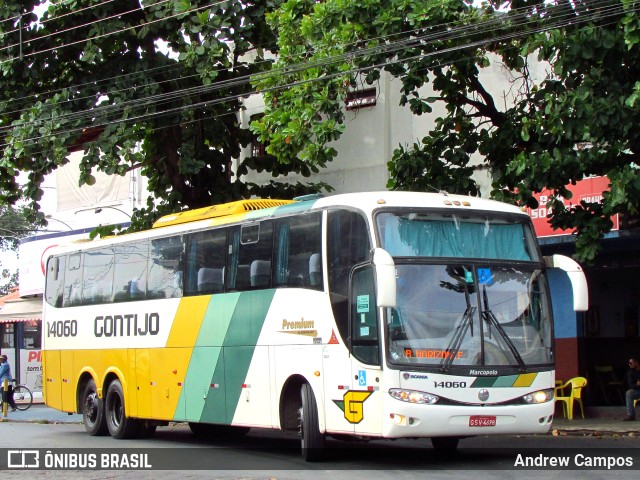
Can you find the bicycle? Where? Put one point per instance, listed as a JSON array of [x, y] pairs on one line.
[[22, 396]]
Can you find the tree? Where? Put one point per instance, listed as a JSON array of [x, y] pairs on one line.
[[580, 120], [152, 84], [13, 227]]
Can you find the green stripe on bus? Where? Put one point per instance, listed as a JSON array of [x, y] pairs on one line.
[[507, 381], [223, 353], [483, 382], [522, 380], [204, 359], [242, 336]]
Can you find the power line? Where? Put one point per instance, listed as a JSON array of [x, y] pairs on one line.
[[149, 101], [218, 2], [239, 82], [324, 78], [48, 35], [523, 11]]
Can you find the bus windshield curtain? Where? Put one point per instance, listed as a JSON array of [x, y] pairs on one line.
[[438, 238], [233, 266], [282, 271]]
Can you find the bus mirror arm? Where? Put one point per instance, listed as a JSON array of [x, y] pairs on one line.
[[385, 269], [576, 277]]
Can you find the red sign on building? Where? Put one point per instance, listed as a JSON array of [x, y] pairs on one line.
[[589, 190]]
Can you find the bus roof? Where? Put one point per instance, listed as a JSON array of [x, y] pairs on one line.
[[247, 210]]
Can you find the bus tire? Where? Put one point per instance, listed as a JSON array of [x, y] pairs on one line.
[[445, 444], [311, 439], [120, 426], [93, 410]]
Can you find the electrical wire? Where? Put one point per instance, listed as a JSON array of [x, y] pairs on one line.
[[228, 98], [142, 25], [244, 80], [523, 11], [76, 27]]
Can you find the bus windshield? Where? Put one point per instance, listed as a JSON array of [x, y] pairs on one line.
[[453, 315], [470, 292]]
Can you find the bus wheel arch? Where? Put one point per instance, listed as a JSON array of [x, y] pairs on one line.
[[91, 406], [290, 402]]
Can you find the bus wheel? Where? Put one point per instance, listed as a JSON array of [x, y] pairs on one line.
[[93, 410], [311, 440], [445, 444], [119, 425]]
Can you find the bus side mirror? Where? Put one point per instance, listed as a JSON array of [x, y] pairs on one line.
[[385, 270], [576, 277]]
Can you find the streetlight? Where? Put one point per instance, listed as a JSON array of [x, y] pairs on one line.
[[49, 217], [99, 209]]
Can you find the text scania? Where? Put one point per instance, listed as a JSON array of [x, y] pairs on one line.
[[128, 325]]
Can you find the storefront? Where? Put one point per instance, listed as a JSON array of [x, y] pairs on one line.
[[20, 336], [596, 344]]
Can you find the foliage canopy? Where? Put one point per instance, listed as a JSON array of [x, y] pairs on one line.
[[580, 120], [151, 84]]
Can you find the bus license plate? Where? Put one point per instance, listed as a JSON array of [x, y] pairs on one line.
[[482, 421]]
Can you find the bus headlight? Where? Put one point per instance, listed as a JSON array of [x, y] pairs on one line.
[[413, 396], [541, 396]]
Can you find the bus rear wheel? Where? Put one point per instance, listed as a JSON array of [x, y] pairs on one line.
[[119, 425], [93, 410], [311, 439]]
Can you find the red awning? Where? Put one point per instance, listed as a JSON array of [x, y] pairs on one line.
[[22, 310]]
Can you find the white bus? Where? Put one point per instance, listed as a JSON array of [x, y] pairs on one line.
[[373, 315]]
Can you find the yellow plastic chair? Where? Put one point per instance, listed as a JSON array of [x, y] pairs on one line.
[[574, 388]]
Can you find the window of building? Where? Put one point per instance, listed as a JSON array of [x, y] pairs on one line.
[[31, 335], [361, 99], [8, 331]]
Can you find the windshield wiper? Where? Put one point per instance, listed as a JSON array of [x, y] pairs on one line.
[[491, 319], [461, 331]]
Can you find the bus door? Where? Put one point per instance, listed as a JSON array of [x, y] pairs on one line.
[[364, 403]]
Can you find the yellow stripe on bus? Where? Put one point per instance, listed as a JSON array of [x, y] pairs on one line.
[[525, 380]]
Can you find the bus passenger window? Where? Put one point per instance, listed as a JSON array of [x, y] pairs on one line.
[[250, 250], [206, 259], [97, 283], [54, 287], [165, 268], [298, 243], [130, 276], [73, 281]]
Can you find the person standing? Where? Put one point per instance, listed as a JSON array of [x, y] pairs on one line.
[[5, 373], [633, 393]]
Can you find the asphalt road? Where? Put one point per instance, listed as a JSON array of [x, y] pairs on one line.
[[267, 454]]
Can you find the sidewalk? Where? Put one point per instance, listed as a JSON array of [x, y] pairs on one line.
[[598, 421]]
